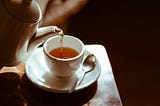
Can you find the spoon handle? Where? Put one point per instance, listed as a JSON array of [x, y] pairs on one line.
[[77, 83], [80, 81], [73, 87]]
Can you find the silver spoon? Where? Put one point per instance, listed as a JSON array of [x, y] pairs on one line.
[[88, 65]]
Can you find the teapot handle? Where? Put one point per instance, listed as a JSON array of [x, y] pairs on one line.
[[43, 34]]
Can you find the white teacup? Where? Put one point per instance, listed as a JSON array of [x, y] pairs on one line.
[[59, 66]]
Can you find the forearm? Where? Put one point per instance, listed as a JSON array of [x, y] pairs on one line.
[[58, 12], [42, 4]]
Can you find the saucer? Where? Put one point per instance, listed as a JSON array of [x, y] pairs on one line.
[[39, 74]]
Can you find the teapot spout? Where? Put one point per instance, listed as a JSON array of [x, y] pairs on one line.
[[43, 31], [43, 34]]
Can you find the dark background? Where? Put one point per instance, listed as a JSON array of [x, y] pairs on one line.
[[130, 31]]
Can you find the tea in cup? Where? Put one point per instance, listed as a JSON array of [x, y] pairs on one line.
[[63, 56]]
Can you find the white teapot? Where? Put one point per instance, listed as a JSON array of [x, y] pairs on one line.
[[19, 32]]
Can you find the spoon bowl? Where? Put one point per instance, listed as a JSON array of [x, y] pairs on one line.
[[88, 65]]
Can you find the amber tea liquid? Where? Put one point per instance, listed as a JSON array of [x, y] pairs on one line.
[[64, 52]]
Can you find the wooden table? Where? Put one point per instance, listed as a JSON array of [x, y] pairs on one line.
[[19, 91]]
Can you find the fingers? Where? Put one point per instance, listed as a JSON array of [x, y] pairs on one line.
[[59, 12]]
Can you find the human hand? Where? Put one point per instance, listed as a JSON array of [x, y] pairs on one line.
[[57, 12]]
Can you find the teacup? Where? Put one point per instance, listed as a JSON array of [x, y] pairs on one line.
[[59, 65]]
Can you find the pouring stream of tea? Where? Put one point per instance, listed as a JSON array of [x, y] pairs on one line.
[[88, 65], [61, 41]]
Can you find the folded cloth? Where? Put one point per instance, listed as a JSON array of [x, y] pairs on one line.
[[19, 69]]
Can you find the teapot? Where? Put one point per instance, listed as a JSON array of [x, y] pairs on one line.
[[20, 32]]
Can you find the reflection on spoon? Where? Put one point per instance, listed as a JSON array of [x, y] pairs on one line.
[[88, 65]]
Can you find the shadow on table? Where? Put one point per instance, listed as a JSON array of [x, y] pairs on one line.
[[10, 94], [37, 97], [19, 92]]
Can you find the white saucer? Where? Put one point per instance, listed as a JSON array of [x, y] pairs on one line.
[[39, 74]]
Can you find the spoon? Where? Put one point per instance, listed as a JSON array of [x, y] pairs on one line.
[[88, 65]]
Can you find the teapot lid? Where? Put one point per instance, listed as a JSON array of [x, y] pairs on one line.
[[24, 10]]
